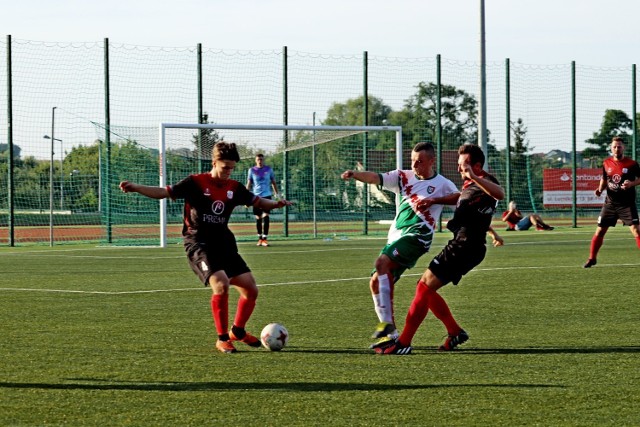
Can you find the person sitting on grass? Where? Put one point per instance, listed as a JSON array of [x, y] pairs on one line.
[[516, 221]]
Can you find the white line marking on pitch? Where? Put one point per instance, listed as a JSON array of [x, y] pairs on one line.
[[305, 282]]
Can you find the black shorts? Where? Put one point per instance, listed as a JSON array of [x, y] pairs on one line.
[[457, 259], [204, 261], [257, 211], [610, 214]]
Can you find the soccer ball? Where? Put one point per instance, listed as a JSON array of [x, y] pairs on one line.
[[274, 336]]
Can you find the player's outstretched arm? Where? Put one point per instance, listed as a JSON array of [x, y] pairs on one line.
[[146, 190], [268, 204], [362, 176]]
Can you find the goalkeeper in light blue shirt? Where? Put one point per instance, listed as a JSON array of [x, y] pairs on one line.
[[260, 181]]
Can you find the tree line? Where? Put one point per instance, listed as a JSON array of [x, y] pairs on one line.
[[79, 179]]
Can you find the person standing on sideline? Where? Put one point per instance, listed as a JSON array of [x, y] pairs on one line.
[[209, 243], [262, 179], [422, 193], [620, 176], [470, 223]]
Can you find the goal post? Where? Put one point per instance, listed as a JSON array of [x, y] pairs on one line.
[[306, 137]]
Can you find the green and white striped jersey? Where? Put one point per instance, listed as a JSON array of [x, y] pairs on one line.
[[413, 216]]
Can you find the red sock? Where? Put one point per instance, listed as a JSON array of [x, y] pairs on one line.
[[596, 243], [440, 309], [245, 308], [417, 313], [638, 242], [220, 310]]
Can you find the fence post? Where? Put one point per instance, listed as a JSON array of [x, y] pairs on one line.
[[507, 166], [107, 140], [439, 123], [285, 139], [574, 207], [201, 161], [365, 121], [634, 119], [10, 183]]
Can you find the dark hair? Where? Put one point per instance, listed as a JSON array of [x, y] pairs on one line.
[[225, 151], [475, 153], [260, 155], [618, 139], [425, 146]]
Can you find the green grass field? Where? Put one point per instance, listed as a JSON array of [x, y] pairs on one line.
[[124, 336]]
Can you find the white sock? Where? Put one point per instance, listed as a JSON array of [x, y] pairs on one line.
[[385, 304], [376, 306]]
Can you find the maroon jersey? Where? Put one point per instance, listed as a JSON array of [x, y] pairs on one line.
[[474, 211], [615, 172], [208, 206]]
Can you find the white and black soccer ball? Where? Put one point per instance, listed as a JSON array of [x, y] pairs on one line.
[[274, 336]]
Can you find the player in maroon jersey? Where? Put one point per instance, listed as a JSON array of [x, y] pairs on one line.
[[210, 245], [470, 224], [620, 175]]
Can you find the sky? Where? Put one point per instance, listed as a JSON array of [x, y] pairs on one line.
[[590, 32]]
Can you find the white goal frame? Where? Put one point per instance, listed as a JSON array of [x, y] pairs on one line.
[[162, 149]]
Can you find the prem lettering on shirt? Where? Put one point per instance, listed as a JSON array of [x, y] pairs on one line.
[[213, 219]]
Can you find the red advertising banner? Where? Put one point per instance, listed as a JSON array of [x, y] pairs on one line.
[[557, 187]]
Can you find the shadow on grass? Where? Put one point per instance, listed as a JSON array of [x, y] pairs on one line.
[[553, 350], [99, 384], [418, 350]]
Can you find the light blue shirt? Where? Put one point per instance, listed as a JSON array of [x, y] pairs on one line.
[[260, 179]]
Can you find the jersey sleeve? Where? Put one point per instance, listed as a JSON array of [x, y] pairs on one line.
[[390, 181], [450, 188], [244, 196], [249, 176], [182, 189]]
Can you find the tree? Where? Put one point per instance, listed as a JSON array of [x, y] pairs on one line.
[[351, 113], [4, 151], [203, 141], [614, 123], [459, 116]]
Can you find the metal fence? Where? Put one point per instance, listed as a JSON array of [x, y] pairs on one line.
[[94, 87]]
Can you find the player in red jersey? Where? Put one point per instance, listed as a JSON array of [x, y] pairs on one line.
[[620, 175], [210, 245], [470, 224]]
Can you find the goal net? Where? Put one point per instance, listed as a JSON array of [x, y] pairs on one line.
[[307, 161]]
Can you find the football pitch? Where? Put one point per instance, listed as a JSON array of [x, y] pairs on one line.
[[124, 336]]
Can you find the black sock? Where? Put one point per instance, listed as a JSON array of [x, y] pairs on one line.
[[223, 337], [266, 225], [238, 332], [259, 226]]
